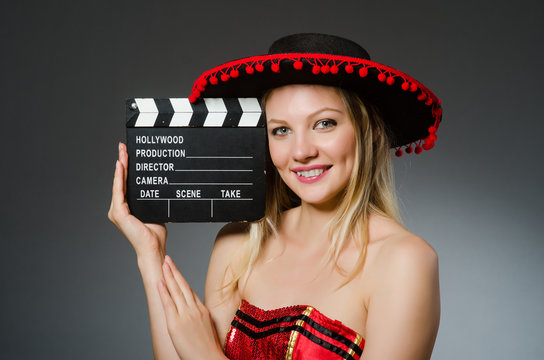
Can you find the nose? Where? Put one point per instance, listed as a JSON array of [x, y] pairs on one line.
[[304, 147]]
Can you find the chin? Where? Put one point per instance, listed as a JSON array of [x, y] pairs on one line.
[[319, 198]]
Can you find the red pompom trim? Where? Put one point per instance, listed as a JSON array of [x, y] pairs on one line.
[[428, 145], [327, 64], [398, 153]]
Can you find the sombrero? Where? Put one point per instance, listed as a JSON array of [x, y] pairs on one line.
[[410, 110]]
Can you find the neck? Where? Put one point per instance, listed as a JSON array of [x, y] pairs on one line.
[[308, 225]]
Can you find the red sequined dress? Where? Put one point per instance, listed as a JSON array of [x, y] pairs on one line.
[[293, 332]]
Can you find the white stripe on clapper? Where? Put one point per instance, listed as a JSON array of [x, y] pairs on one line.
[[251, 112], [148, 112], [217, 111], [182, 112]]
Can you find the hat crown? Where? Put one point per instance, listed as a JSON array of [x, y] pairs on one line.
[[313, 43]]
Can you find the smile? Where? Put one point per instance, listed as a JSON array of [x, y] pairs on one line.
[[309, 175]]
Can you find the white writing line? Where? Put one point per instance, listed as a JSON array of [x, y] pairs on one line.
[[190, 199], [219, 157], [211, 184], [214, 170]]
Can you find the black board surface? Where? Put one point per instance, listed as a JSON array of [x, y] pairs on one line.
[[209, 167]]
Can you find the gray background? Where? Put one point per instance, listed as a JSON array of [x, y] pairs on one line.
[[70, 287]]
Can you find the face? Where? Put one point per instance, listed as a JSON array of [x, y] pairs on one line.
[[311, 141]]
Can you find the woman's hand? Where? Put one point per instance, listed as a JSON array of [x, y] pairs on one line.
[[147, 239], [189, 322]]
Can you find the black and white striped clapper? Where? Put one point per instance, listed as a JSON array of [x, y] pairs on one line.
[[196, 162]]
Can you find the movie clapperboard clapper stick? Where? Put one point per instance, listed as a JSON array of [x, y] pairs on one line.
[[196, 162]]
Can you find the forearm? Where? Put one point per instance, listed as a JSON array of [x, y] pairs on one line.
[[150, 269]]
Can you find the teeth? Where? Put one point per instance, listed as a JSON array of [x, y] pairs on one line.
[[310, 173]]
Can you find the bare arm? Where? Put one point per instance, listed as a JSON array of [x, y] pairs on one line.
[[404, 309], [194, 327], [149, 241], [189, 322], [222, 305]]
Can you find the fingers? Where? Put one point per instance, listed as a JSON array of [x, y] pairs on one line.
[[178, 285], [119, 183], [116, 194], [176, 291], [123, 158], [167, 302], [183, 284]]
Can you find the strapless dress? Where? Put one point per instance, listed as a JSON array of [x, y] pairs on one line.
[[292, 332]]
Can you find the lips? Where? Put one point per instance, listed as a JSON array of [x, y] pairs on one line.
[[310, 174]]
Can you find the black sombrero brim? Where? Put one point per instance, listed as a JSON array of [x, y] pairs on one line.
[[411, 111]]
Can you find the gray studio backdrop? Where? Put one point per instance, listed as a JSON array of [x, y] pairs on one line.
[[70, 287]]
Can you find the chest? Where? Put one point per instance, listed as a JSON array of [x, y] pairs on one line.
[[295, 278], [294, 332]]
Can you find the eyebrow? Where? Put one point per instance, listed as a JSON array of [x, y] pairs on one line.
[[318, 111]]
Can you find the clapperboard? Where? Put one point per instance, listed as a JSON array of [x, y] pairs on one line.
[[196, 162]]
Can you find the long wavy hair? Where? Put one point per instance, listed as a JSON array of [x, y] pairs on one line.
[[370, 190]]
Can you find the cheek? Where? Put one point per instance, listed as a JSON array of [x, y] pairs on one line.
[[278, 154], [345, 149]]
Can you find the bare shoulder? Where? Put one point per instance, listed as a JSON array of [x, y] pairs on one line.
[[405, 297], [230, 237], [400, 250], [400, 261], [409, 249]]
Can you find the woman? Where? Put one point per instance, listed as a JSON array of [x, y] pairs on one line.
[[329, 239]]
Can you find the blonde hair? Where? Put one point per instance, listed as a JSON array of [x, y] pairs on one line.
[[370, 190]]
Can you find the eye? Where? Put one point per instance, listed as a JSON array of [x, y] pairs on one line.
[[325, 124], [280, 131]]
